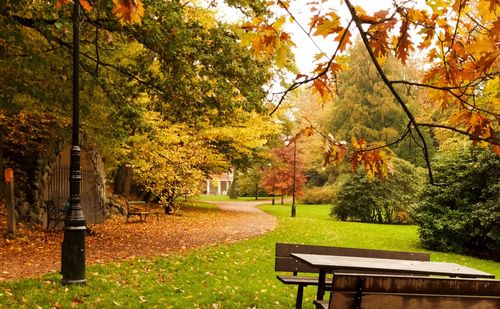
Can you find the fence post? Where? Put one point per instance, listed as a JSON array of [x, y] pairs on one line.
[[10, 201]]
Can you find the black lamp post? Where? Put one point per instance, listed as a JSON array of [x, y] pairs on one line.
[[73, 245], [294, 208]]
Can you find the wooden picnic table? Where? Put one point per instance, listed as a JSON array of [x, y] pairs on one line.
[[333, 263]]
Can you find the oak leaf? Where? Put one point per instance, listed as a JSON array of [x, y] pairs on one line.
[[129, 11]]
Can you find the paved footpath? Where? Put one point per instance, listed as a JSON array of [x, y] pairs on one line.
[[116, 240], [252, 221], [246, 206]]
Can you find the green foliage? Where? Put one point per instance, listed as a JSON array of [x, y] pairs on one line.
[[365, 107], [181, 62], [249, 183], [237, 275], [379, 200], [316, 178], [463, 214], [320, 195]]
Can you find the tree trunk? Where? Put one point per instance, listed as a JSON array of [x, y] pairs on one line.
[[3, 187], [233, 191], [256, 191], [282, 198], [123, 180], [273, 194]]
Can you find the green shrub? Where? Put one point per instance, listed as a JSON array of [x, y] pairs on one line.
[[319, 195], [247, 185], [374, 200], [464, 214]]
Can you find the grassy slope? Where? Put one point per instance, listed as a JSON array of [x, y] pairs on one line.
[[231, 276]]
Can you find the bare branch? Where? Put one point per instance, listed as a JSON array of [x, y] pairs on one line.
[[491, 140], [295, 85], [450, 91], [300, 26]]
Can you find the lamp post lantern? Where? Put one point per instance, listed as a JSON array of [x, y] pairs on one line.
[[73, 245]]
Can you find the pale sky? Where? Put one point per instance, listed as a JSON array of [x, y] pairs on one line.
[[305, 49]]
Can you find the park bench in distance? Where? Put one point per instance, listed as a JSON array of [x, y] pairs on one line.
[[286, 263], [405, 292], [140, 209]]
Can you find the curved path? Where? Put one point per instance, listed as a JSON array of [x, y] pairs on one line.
[[38, 252]]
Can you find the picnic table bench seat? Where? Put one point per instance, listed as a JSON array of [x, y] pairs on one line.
[[410, 292], [284, 262]]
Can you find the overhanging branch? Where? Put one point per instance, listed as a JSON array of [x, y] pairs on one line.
[[394, 92]]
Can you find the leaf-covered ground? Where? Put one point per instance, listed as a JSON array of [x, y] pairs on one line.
[[36, 251]]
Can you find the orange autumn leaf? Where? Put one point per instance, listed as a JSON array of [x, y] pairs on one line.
[[496, 149], [346, 41], [476, 124], [83, 3], [60, 3], [129, 11], [320, 85], [375, 162], [404, 46]]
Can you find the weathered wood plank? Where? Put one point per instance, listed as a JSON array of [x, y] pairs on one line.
[[421, 285], [379, 291], [333, 263], [284, 250], [402, 301]]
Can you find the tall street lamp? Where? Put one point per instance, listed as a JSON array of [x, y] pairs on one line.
[[294, 208], [73, 245], [294, 170]]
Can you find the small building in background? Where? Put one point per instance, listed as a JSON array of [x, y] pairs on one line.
[[218, 184]]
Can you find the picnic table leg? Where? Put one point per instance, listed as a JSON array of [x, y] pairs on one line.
[[300, 293], [321, 284]]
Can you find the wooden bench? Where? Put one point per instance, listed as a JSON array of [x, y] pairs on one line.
[[405, 292], [286, 263], [139, 208]]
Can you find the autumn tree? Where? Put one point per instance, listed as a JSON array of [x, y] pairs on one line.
[[459, 40], [278, 178], [169, 161], [171, 58]]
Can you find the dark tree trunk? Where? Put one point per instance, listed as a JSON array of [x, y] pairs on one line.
[[256, 191], [282, 198], [2, 180], [273, 194], [123, 180]]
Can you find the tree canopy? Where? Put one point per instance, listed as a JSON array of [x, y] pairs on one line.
[[458, 40], [144, 65]]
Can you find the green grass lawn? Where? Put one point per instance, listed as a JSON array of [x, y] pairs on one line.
[[230, 276]]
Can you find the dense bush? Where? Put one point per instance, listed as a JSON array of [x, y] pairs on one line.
[[316, 178], [319, 195], [374, 200], [248, 183], [464, 214]]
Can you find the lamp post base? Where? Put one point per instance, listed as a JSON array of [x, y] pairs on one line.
[[73, 255]]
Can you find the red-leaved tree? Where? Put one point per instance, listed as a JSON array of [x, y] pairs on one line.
[[278, 178]]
